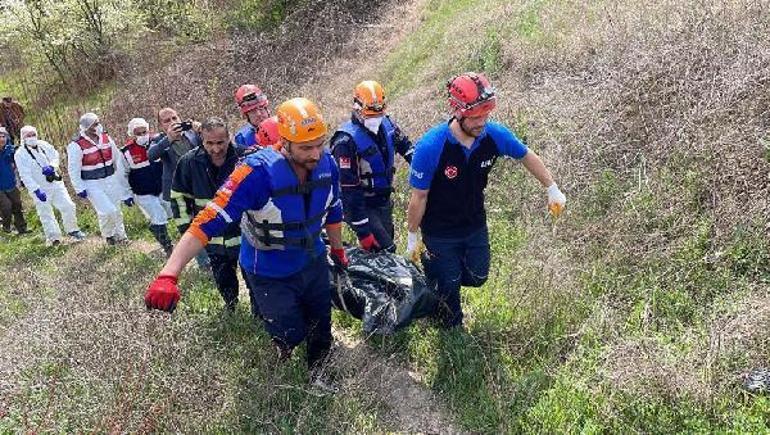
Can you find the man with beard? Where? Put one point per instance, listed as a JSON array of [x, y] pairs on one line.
[[449, 173], [283, 200]]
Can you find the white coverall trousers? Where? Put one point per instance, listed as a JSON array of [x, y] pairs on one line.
[[105, 195], [153, 208], [57, 196]]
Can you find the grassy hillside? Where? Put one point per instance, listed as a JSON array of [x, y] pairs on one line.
[[639, 311]]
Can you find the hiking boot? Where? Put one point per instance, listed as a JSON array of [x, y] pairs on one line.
[[23, 231], [77, 235], [110, 240], [758, 381]]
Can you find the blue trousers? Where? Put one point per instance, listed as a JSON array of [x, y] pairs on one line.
[[454, 262], [296, 308]]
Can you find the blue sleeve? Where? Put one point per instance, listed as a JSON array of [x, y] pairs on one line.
[[334, 215], [427, 153], [507, 142], [158, 147], [247, 188], [402, 144]]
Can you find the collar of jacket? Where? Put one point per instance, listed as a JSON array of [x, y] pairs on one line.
[[201, 156]]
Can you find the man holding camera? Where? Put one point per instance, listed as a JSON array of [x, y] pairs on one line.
[[96, 173], [176, 138], [38, 165]]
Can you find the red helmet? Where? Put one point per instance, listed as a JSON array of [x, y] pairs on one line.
[[250, 97], [470, 94], [267, 134]]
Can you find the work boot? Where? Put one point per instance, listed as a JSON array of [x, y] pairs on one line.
[[110, 240], [160, 232], [77, 235]]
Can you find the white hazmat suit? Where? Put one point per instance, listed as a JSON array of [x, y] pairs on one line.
[[31, 157], [102, 177]]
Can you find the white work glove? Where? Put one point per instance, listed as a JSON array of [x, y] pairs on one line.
[[413, 246], [557, 202]]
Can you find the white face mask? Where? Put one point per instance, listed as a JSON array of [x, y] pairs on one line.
[[30, 141], [143, 139], [373, 124], [99, 129]]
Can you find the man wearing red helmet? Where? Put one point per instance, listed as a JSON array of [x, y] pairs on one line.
[[449, 173], [253, 104]]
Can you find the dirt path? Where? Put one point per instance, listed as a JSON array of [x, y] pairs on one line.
[[412, 408]]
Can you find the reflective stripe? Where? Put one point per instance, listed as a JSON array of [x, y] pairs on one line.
[[361, 222], [177, 194], [228, 243], [221, 212], [201, 202], [96, 166]]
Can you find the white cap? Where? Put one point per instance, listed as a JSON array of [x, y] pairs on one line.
[[136, 123], [28, 129], [87, 120]]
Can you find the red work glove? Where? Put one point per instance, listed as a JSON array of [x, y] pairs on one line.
[[339, 258], [162, 294], [369, 243]]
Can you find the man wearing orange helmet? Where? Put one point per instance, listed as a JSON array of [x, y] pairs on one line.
[[282, 199], [253, 104], [365, 149], [448, 176]]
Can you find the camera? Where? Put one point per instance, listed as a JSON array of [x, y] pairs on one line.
[[53, 177], [186, 125]]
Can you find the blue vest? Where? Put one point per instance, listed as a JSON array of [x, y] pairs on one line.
[[375, 170], [286, 231], [245, 138]]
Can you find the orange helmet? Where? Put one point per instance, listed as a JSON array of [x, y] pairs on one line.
[[471, 94], [250, 97], [299, 120], [267, 134], [369, 98]]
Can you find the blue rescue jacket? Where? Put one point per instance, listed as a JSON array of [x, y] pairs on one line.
[[377, 174], [279, 217], [246, 137]]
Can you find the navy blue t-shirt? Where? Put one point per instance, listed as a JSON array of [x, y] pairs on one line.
[[456, 176]]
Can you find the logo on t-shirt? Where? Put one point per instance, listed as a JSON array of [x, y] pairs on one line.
[[344, 162], [450, 171]]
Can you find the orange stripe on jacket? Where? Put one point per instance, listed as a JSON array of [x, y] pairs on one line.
[[198, 234]]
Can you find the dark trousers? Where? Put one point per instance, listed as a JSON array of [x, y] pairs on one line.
[[381, 225], [10, 208], [297, 307], [225, 271], [454, 262]]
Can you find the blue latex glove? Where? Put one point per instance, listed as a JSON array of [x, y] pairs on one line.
[[129, 202], [83, 194], [40, 195], [48, 171]]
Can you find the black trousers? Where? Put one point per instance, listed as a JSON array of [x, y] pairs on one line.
[[10, 209], [225, 271]]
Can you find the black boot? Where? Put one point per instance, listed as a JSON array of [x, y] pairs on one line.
[[161, 235]]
